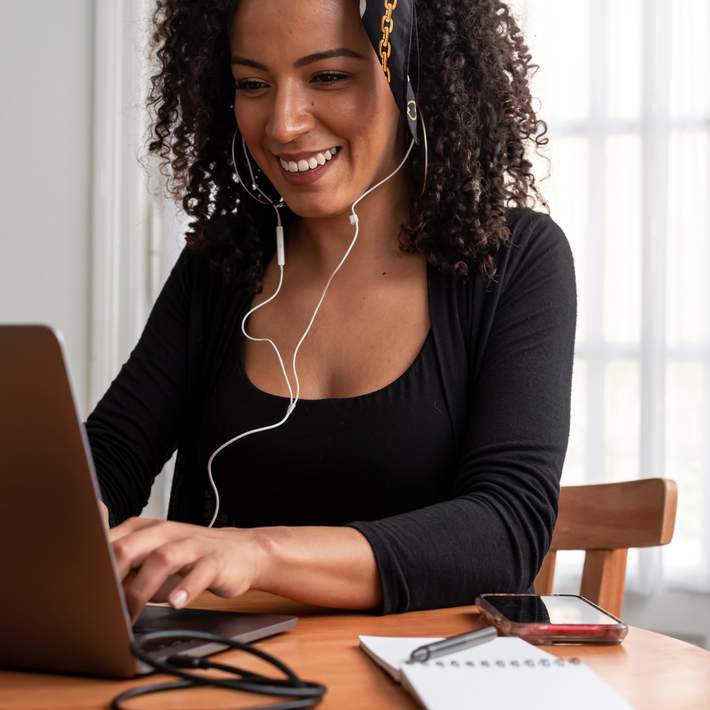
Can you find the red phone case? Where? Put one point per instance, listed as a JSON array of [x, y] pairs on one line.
[[542, 633]]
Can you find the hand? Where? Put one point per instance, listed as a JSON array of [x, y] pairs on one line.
[[162, 561]]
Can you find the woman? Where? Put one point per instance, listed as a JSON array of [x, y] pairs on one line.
[[421, 463]]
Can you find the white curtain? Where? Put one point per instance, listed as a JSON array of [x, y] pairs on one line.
[[137, 233], [625, 89]]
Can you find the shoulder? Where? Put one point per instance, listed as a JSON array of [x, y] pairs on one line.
[[532, 231], [537, 257], [191, 265], [538, 249], [195, 275]]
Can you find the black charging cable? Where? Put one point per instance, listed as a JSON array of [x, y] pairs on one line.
[[304, 693]]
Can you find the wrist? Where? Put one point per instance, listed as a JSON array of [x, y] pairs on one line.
[[262, 559], [267, 550]]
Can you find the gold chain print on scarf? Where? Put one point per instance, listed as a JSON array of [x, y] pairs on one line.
[[387, 26]]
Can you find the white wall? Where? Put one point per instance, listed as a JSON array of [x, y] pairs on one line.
[[45, 170]]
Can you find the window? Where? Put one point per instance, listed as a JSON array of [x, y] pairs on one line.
[[625, 90]]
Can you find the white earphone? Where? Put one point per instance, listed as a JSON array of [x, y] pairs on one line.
[[281, 260]]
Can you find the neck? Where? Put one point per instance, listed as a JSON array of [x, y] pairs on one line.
[[317, 245]]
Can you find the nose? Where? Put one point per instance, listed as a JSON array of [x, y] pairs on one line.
[[291, 115]]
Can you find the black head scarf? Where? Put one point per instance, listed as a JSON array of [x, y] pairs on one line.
[[392, 28]]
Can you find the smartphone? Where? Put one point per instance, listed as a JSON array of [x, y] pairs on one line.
[[551, 618]]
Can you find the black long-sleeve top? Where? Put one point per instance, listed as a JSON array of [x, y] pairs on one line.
[[451, 472]]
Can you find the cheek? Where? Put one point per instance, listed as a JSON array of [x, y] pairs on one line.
[[354, 108], [249, 122], [360, 119]]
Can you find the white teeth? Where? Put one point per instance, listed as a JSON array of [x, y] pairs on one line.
[[313, 162]]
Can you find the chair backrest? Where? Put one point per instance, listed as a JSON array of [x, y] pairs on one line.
[[606, 520]]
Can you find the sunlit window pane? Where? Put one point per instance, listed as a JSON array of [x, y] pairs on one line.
[[688, 298], [689, 74], [560, 46], [622, 420], [622, 240], [687, 428], [624, 80]]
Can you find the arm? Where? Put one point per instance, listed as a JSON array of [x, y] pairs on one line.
[[161, 560], [493, 532], [323, 566], [133, 429]]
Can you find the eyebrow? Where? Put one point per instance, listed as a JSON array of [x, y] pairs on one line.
[[308, 59]]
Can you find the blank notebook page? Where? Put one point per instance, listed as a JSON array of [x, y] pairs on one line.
[[506, 674], [509, 687]]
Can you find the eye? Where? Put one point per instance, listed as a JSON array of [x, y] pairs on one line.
[[329, 77], [248, 85]]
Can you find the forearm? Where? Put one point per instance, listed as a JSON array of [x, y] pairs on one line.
[[323, 566]]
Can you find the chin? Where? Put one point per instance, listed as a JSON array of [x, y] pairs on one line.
[[315, 209]]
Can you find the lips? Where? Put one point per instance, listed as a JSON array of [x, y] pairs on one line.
[[303, 162], [310, 175]]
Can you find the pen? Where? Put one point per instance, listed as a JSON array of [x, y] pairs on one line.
[[453, 644]]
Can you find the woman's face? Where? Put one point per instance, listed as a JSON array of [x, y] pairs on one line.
[[293, 105]]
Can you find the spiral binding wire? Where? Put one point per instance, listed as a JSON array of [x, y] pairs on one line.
[[526, 663]]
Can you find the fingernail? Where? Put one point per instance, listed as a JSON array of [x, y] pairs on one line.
[[178, 599]]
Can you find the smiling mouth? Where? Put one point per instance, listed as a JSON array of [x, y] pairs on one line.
[[313, 162]]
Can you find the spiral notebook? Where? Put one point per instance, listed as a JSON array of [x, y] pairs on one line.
[[506, 673]]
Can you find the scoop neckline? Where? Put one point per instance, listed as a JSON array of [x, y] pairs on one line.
[[365, 395]]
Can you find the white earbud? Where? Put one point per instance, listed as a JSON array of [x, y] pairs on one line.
[[354, 220]]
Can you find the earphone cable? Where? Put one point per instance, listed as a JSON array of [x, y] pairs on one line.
[[354, 220]]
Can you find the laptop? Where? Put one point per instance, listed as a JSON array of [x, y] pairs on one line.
[[61, 602]]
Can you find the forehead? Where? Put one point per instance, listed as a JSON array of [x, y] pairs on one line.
[[293, 28]]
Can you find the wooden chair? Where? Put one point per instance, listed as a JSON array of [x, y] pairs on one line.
[[606, 520]]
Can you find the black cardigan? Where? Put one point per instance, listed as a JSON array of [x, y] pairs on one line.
[[505, 357]]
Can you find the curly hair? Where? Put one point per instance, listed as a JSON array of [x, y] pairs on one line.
[[473, 92]]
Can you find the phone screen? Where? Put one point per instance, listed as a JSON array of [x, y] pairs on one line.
[[549, 610]]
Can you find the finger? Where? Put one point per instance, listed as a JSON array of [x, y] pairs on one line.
[[169, 584], [103, 508], [130, 525], [131, 550], [200, 578], [160, 564]]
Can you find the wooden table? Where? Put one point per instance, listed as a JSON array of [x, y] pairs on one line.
[[648, 669]]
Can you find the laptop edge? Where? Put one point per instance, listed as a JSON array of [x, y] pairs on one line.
[[68, 610]]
